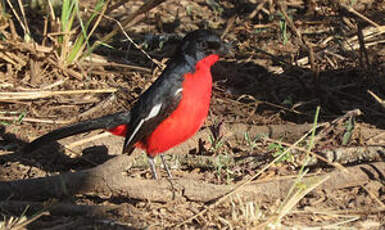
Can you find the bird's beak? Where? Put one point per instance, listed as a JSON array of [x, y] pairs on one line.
[[225, 49]]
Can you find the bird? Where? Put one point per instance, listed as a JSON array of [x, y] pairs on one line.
[[170, 111]]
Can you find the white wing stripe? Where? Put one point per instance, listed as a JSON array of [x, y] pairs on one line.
[[135, 131], [154, 111], [178, 91]]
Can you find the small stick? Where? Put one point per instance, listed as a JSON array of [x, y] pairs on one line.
[[361, 42], [291, 25], [44, 94], [36, 120], [229, 25], [100, 62], [101, 105], [15, 102], [377, 98], [353, 11], [85, 140]]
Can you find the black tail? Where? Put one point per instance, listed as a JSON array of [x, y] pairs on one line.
[[106, 122]]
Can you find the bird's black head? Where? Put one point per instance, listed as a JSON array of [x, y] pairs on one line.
[[200, 44]]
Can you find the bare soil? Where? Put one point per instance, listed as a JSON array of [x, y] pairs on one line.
[[264, 100]]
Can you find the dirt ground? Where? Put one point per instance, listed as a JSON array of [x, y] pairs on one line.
[[288, 58]]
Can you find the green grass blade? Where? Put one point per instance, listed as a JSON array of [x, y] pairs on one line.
[[82, 39]]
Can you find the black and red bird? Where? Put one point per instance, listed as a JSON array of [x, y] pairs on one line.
[[170, 111]]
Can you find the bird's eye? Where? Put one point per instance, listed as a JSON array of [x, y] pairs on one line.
[[203, 45], [213, 45]]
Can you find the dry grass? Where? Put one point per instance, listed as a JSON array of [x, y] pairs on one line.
[[288, 59]]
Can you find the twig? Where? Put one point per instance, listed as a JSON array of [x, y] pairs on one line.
[[17, 17], [342, 212], [24, 17], [291, 24], [257, 9], [377, 98], [16, 102], [364, 52], [43, 94], [353, 11], [229, 25], [101, 62], [36, 120], [101, 105], [50, 86], [86, 140]]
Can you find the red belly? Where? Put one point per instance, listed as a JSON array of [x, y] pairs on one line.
[[186, 120]]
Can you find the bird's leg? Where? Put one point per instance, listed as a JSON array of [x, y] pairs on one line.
[[166, 166], [152, 167]]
